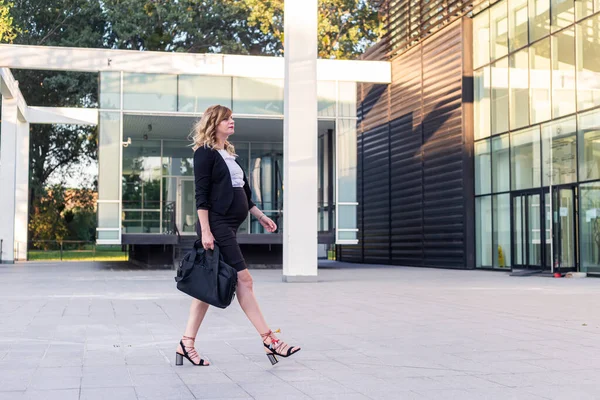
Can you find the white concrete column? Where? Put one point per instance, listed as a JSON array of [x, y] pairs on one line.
[[300, 142], [22, 190], [8, 178]]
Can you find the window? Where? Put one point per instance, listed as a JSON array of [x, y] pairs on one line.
[[258, 96], [149, 92], [483, 176], [483, 231], [481, 39], [347, 99], [540, 82], [517, 10], [110, 90], [499, 30], [539, 19], [326, 98], [559, 149], [562, 13], [583, 8], [589, 145], [519, 89], [589, 220], [525, 158], [197, 93], [563, 73], [588, 63], [500, 164], [482, 83], [501, 235], [500, 96]]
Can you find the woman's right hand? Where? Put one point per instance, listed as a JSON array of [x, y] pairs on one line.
[[208, 240]]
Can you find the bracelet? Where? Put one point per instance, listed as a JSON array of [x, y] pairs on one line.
[[261, 217]]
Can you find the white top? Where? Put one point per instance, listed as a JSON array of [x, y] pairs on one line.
[[237, 175]]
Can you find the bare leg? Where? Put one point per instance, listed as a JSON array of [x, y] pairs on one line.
[[248, 302], [198, 310]]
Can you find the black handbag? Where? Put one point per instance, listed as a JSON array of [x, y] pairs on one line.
[[204, 275]]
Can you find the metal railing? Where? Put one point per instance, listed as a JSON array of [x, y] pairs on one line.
[[150, 217], [71, 250]]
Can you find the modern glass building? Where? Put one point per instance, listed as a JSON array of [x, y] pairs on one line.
[[154, 114], [483, 151], [148, 103], [537, 129]]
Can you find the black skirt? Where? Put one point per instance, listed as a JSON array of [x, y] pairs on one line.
[[224, 229]]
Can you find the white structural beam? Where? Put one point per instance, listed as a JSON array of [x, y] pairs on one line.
[[10, 122], [9, 88], [60, 115], [100, 60], [300, 242], [21, 190]]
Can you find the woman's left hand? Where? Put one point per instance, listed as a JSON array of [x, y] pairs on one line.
[[268, 224]]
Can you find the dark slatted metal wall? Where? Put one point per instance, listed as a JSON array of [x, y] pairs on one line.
[[415, 169]]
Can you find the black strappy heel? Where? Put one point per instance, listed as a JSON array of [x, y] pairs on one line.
[[277, 347], [192, 353]]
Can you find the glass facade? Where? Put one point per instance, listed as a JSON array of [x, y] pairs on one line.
[[537, 134], [146, 177]]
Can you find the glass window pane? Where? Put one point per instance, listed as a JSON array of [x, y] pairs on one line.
[[109, 156], [110, 90], [559, 149], [326, 98], [346, 217], [500, 164], [539, 19], [483, 173], [197, 93], [107, 235], [539, 81], [590, 227], [347, 99], [562, 13], [588, 63], [108, 215], [525, 158], [266, 175], [346, 161], [482, 107], [499, 30], [563, 73], [501, 235], [589, 146], [483, 231], [149, 92], [584, 8], [481, 39], [141, 175], [519, 89], [258, 96], [346, 235], [178, 158], [500, 96], [517, 10]]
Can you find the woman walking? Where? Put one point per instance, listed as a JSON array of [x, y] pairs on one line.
[[223, 199]]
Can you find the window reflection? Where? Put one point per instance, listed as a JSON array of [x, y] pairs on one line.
[[563, 73], [588, 63], [525, 158], [499, 30], [539, 75], [500, 96], [589, 146], [559, 146]]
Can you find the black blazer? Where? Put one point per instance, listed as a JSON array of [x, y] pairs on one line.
[[213, 182]]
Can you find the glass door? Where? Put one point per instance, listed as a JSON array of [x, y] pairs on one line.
[[565, 238], [186, 206], [529, 241]]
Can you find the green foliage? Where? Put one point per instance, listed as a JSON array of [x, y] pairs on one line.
[[346, 27], [8, 32]]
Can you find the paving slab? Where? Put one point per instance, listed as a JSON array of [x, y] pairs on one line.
[[91, 331]]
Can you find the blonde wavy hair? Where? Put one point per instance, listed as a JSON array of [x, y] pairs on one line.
[[204, 132]]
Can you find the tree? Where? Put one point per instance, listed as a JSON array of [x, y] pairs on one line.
[[7, 30], [346, 27]]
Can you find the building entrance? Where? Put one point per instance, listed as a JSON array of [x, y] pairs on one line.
[[544, 235]]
